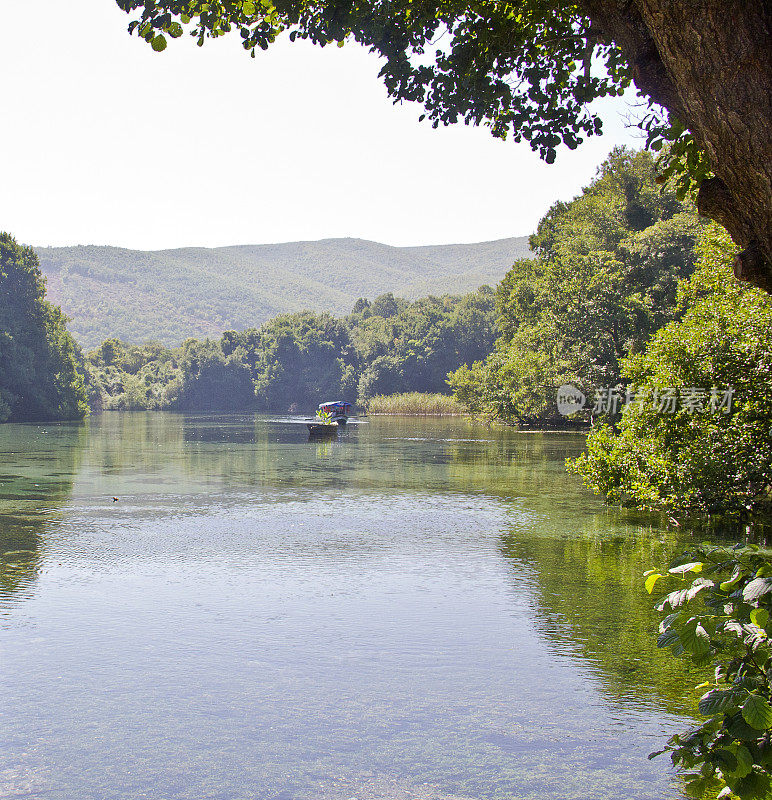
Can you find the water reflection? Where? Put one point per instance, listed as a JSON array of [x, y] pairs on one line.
[[590, 601], [39, 466], [419, 609]]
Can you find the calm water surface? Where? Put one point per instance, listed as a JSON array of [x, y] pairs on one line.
[[420, 609]]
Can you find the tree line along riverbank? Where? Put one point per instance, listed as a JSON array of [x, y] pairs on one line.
[[628, 293]]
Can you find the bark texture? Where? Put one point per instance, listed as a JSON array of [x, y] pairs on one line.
[[709, 62]]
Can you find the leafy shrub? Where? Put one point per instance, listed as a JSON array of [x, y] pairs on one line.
[[696, 461], [724, 614]]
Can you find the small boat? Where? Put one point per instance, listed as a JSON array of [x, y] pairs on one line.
[[319, 429], [338, 410]]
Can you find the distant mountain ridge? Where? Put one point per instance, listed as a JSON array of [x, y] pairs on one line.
[[170, 295]]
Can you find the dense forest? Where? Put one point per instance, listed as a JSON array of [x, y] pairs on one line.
[[711, 451], [41, 368], [603, 280], [630, 298], [290, 363], [384, 346]]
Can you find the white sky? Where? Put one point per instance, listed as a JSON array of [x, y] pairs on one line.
[[105, 142]]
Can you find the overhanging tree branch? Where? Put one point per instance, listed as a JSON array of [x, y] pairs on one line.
[[521, 68]]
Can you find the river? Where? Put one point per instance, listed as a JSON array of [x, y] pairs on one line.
[[422, 609]]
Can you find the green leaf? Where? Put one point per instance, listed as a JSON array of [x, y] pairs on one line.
[[667, 638], [733, 626], [760, 617], [757, 712], [695, 786], [675, 599], [744, 759], [159, 43], [726, 759], [697, 587], [651, 582], [695, 639], [754, 786], [715, 700], [707, 770], [677, 649], [738, 728], [730, 584], [668, 621]]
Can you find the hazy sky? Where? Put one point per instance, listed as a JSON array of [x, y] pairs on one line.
[[105, 142]]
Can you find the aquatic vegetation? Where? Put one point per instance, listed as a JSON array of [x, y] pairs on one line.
[[415, 403]]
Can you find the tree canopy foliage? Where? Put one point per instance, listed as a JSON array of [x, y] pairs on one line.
[[604, 279], [530, 69], [707, 458], [40, 374], [294, 361], [522, 71]]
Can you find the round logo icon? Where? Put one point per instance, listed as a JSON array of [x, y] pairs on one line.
[[570, 399]]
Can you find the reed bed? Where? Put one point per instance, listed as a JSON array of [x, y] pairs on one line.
[[415, 404]]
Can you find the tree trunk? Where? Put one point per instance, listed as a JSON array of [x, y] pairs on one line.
[[709, 62]]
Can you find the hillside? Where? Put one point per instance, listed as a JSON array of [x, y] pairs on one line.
[[170, 295]]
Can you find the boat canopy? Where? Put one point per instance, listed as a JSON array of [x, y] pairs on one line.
[[335, 405]]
